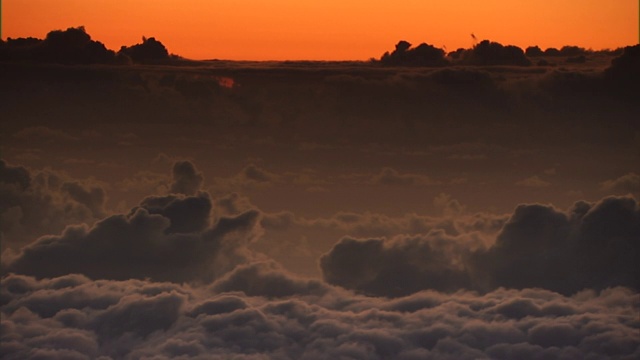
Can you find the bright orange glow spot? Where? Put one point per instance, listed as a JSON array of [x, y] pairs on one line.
[[329, 29]]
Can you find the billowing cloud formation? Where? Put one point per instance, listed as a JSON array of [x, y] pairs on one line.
[[186, 179], [626, 184], [33, 204], [398, 266], [590, 246], [164, 238], [72, 317]]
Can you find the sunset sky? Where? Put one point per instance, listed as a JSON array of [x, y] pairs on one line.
[[327, 30]]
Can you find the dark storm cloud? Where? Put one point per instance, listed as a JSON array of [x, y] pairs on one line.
[[270, 314], [186, 179], [35, 203], [164, 238], [589, 246]]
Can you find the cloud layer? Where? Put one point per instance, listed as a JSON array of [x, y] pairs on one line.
[[36, 203], [165, 238], [592, 245], [261, 312]]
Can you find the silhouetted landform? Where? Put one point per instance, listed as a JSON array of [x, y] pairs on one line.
[[150, 50], [422, 55], [626, 66], [71, 46], [74, 46], [568, 50], [493, 53], [534, 51], [485, 53]]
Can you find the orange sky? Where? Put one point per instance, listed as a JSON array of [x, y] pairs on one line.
[[327, 29]]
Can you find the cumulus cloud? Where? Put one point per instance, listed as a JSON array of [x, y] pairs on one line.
[[589, 246], [625, 184], [261, 312], [398, 266], [36, 203], [186, 179], [447, 206], [166, 238]]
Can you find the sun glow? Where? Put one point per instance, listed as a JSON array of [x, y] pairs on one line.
[[287, 29]]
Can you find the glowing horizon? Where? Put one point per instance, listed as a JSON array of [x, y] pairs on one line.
[[331, 30]]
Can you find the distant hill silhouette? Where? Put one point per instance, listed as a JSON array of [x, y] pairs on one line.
[[150, 50], [492, 53], [74, 46], [422, 55], [624, 71], [484, 53], [71, 46]]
